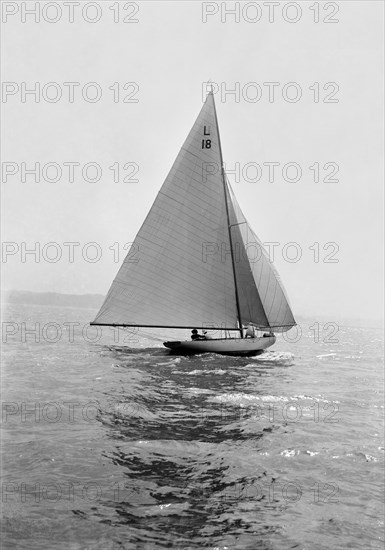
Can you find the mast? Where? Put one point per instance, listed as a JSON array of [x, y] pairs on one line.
[[228, 220]]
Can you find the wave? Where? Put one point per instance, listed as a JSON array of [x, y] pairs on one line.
[[275, 357]]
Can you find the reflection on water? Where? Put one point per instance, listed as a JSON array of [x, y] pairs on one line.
[[179, 451], [113, 446]]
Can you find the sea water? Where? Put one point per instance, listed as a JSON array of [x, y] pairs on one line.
[[110, 442]]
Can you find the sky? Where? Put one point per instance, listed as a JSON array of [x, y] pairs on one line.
[[322, 109]]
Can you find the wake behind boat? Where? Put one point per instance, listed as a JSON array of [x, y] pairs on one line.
[[197, 262]]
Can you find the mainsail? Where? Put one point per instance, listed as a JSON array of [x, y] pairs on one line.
[[186, 273]]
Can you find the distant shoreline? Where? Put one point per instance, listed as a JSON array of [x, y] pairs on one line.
[[94, 301], [25, 297]]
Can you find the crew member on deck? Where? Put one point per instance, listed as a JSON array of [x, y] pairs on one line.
[[250, 332], [196, 336]]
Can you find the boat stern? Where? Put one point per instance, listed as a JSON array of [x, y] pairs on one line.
[[172, 345]]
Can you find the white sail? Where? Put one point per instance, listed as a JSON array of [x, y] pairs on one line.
[[262, 297], [179, 278], [191, 267]]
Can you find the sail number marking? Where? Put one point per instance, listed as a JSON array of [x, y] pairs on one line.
[[206, 143]]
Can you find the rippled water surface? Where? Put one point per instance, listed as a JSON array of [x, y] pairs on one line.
[[116, 444]]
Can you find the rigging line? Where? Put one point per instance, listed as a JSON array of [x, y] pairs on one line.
[[234, 224], [150, 337], [142, 334]]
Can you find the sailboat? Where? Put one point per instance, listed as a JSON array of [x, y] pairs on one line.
[[197, 262]]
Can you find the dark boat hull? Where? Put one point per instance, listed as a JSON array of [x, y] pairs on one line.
[[223, 346]]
